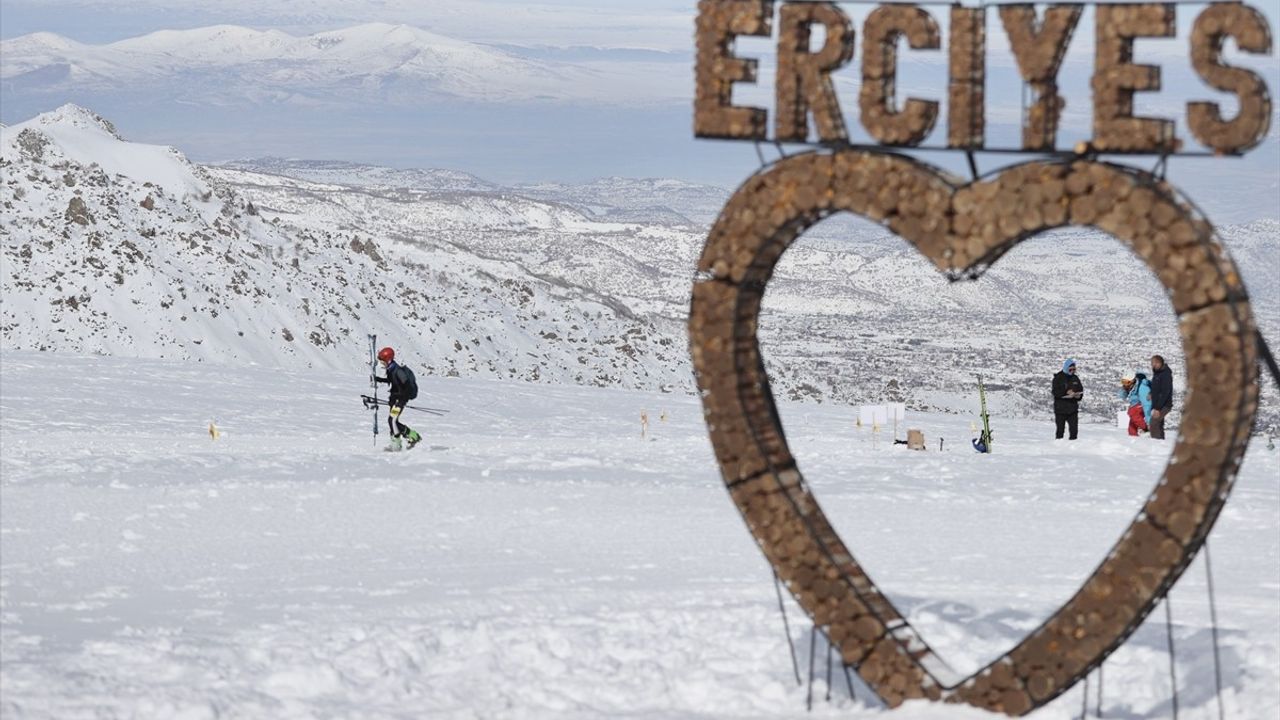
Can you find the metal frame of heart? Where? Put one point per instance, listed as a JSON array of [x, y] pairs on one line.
[[963, 228]]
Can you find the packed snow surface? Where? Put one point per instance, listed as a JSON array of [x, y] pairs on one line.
[[536, 558]]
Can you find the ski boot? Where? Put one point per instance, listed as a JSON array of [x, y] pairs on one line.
[[414, 439], [395, 445]]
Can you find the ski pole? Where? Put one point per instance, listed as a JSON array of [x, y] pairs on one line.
[[373, 401], [373, 382], [437, 411]]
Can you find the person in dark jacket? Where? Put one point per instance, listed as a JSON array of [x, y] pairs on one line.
[[1067, 391], [401, 380], [1161, 395]]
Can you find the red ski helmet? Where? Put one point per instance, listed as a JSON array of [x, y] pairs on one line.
[[386, 354]]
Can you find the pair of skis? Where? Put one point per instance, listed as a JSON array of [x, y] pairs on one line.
[[982, 443], [373, 383]]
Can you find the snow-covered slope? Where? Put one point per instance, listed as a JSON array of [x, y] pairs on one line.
[[535, 559], [564, 283], [114, 247], [652, 199], [398, 64], [853, 314]]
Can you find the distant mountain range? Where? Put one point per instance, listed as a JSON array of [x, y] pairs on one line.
[[128, 249], [404, 95], [385, 93], [396, 64]]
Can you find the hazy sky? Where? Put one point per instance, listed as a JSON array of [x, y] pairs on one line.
[[577, 142], [654, 24]]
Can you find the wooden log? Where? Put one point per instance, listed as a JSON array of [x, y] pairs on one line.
[[1253, 118], [967, 70], [804, 79], [882, 120], [717, 69], [1039, 49], [1116, 78]]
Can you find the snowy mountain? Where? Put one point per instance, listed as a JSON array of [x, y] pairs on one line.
[[290, 262], [397, 64], [119, 248]]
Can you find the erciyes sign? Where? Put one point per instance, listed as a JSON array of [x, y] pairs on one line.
[[963, 227], [1038, 37]]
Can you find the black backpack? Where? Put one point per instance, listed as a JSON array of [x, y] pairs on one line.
[[410, 383]]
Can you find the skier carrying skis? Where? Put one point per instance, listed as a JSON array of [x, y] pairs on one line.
[[1161, 395], [404, 387], [1067, 391], [1135, 389]]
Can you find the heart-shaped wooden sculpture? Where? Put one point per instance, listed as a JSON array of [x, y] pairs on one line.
[[963, 229]]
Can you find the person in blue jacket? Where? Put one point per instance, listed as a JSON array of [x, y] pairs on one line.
[[1135, 389]]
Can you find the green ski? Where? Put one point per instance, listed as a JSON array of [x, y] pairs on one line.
[[982, 443]]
